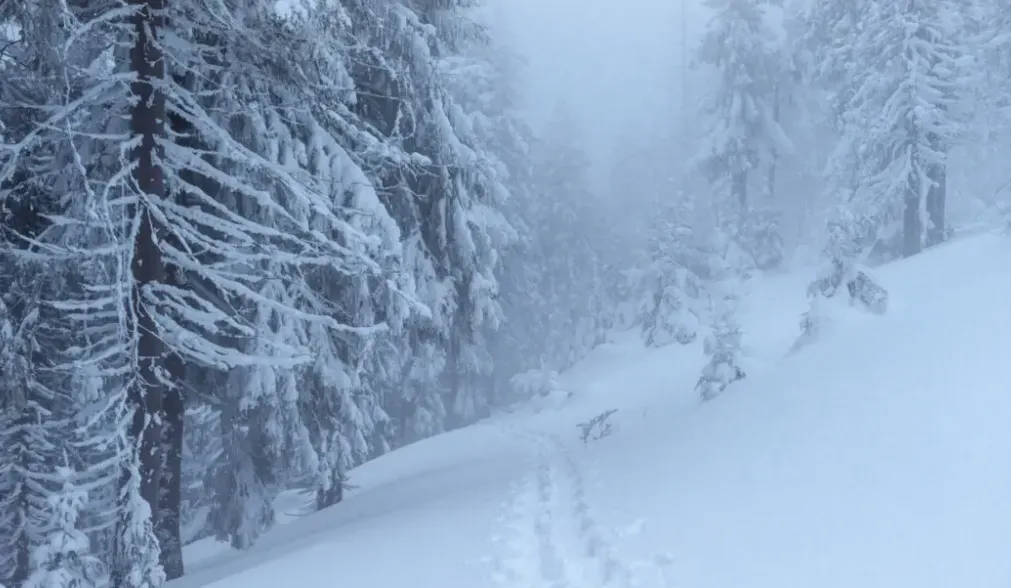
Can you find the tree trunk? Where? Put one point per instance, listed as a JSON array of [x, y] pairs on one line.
[[325, 498], [147, 122], [775, 155], [169, 512], [912, 229], [936, 197], [739, 188]]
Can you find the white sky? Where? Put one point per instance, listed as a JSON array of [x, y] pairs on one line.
[[615, 61]]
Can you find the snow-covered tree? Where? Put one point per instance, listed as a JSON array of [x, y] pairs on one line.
[[986, 26], [849, 241], [135, 561], [488, 80], [288, 230], [201, 451], [64, 559], [899, 111], [182, 215], [19, 440], [745, 132], [675, 298], [445, 192], [827, 49], [490, 143], [723, 346]]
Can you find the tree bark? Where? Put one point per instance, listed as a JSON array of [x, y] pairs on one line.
[[148, 123], [168, 528]]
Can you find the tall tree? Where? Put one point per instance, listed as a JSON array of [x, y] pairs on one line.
[[149, 387], [745, 130], [177, 235], [293, 224], [899, 112]]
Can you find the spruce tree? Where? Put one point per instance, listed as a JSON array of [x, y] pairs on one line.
[[674, 293], [898, 111], [64, 559], [745, 138], [723, 347]]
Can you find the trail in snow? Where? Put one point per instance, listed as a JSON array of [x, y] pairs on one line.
[[549, 536]]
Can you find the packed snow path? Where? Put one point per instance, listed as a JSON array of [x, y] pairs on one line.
[[549, 538]]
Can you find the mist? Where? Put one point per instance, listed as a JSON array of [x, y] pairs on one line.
[[706, 293], [617, 65]]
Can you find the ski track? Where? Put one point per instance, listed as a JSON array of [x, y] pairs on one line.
[[549, 537]]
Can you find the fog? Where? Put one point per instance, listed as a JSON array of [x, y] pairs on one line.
[[616, 64]]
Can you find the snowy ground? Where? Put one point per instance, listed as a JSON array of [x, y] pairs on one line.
[[878, 456]]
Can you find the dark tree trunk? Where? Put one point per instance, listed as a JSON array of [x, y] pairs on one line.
[[148, 123], [332, 495], [168, 526], [169, 511]]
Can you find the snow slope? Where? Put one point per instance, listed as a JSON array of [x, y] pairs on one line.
[[878, 456]]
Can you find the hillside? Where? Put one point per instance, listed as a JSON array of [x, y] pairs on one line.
[[877, 456]]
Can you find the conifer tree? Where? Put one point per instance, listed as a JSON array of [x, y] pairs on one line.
[[64, 559], [723, 347], [674, 293], [745, 138], [899, 112]]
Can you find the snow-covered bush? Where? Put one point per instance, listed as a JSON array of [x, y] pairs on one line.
[[866, 292], [669, 317], [723, 347], [536, 382], [862, 292], [671, 287]]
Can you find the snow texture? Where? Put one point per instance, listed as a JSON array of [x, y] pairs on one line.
[[871, 458]]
